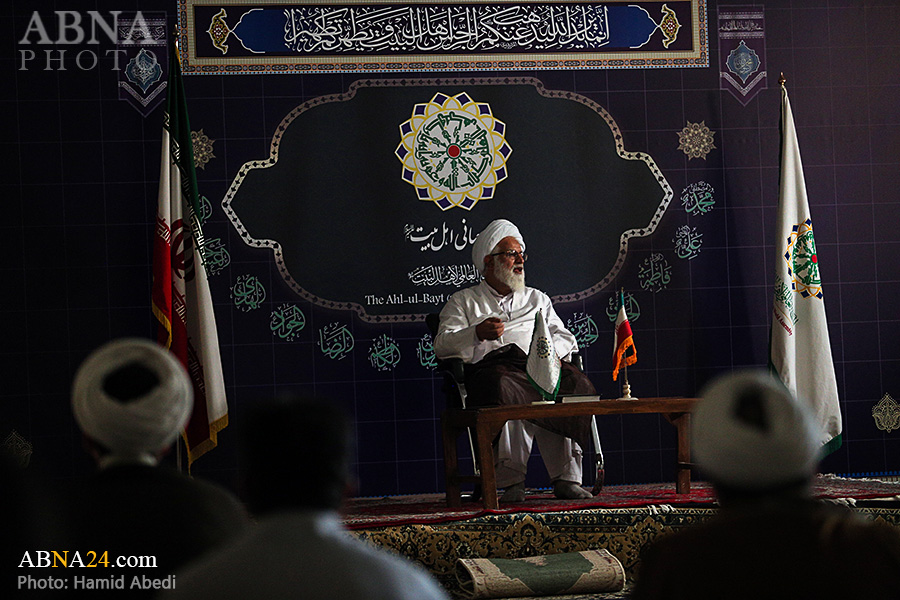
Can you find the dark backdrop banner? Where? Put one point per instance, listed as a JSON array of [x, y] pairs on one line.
[[297, 36], [371, 199]]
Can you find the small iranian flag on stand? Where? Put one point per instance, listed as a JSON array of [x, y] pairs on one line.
[[624, 351]]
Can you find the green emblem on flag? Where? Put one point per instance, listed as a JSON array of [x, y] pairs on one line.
[[543, 347], [803, 263]]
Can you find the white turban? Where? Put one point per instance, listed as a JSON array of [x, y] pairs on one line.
[[488, 239], [138, 426], [748, 450]]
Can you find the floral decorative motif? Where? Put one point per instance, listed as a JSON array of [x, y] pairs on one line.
[[453, 151], [219, 31], [18, 448], [696, 140], [887, 414], [203, 149], [669, 26]]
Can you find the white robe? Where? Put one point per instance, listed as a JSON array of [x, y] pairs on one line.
[[467, 308], [456, 338], [308, 555]]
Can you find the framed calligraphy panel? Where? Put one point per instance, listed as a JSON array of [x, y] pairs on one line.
[[353, 36]]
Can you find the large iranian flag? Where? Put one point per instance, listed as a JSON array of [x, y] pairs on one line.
[[182, 303], [800, 351]]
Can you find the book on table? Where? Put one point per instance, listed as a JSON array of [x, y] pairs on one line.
[[579, 398]]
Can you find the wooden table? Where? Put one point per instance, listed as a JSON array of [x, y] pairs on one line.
[[487, 422]]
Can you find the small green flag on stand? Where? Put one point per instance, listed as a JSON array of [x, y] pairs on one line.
[[543, 366]]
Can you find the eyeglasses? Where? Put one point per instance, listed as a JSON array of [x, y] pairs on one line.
[[512, 255]]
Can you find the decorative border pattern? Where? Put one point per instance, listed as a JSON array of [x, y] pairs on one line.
[[194, 28], [368, 83]]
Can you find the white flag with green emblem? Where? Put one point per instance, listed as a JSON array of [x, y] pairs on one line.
[[543, 366], [800, 351]]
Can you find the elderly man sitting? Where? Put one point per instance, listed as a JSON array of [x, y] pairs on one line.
[[489, 326]]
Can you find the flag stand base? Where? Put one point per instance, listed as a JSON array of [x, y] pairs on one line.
[[626, 392]]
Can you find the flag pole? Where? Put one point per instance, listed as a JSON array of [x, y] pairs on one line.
[[626, 388], [799, 348], [179, 460]]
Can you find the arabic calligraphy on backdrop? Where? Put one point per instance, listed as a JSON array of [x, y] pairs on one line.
[[425, 352], [655, 273], [455, 275], [698, 198], [248, 293], [632, 308], [287, 321], [448, 237], [335, 341], [687, 242], [384, 354], [309, 36], [406, 256], [583, 328]]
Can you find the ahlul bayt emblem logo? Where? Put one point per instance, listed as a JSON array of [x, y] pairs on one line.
[[543, 347], [453, 151], [803, 263]]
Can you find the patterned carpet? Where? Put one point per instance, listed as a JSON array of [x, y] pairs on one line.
[[431, 508], [622, 520]]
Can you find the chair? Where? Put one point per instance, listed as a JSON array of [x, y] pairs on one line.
[[453, 370]]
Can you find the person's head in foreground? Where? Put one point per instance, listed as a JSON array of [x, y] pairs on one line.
[[131, 398], [499, 255], [753, 439], [295, 454]]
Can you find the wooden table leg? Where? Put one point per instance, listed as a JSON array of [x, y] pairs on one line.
[[488, 475], [682, 424]]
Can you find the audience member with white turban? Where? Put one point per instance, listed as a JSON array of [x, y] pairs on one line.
[[771, 539], [132, 398], [489, 326]]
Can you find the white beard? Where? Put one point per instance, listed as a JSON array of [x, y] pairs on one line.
[[515, 281]]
